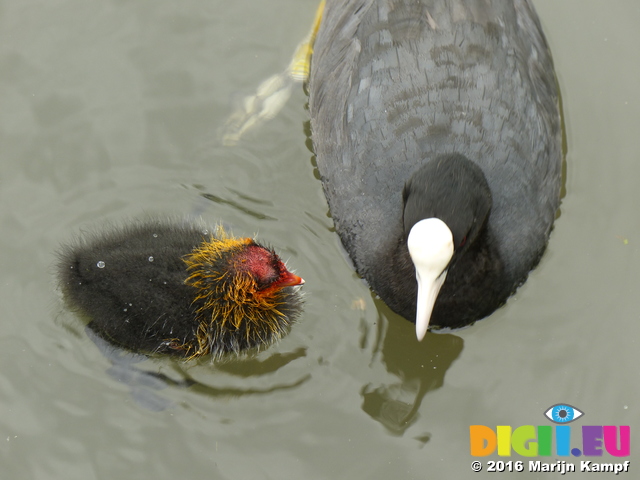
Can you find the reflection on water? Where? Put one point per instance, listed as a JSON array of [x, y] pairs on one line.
[[252, 367], [145, 385], [237, 206], [419, 369]]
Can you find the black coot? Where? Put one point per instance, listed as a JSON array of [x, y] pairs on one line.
[[438, 139], [176, 288]]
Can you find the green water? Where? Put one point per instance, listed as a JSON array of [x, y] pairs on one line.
[[112, 109]]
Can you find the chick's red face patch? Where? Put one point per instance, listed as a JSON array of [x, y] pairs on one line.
[[262, 264]]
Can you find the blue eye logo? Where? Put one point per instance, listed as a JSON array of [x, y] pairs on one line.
[[563, 413]]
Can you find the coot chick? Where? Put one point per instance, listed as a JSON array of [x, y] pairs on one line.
[[178, 289], [437, 134]]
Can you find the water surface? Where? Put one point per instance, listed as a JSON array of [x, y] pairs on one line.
[[112, 110]]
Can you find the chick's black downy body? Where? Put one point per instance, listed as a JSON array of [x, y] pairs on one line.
[[134, 284]]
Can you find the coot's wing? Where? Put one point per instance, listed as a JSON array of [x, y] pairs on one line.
[[394, 84]]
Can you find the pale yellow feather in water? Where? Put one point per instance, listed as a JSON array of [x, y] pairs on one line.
[[272, 94]]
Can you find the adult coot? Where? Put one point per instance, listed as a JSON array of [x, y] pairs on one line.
[[176, 288], [437, 132]]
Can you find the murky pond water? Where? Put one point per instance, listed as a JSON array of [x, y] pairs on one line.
[[112, 110]]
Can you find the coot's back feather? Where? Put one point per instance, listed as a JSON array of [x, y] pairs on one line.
[[396, 84]]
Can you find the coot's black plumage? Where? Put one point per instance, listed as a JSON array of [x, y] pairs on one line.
[[175, 288], [441, 109]]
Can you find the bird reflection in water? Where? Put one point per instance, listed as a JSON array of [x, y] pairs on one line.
[[419, 366], [145, 385]]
